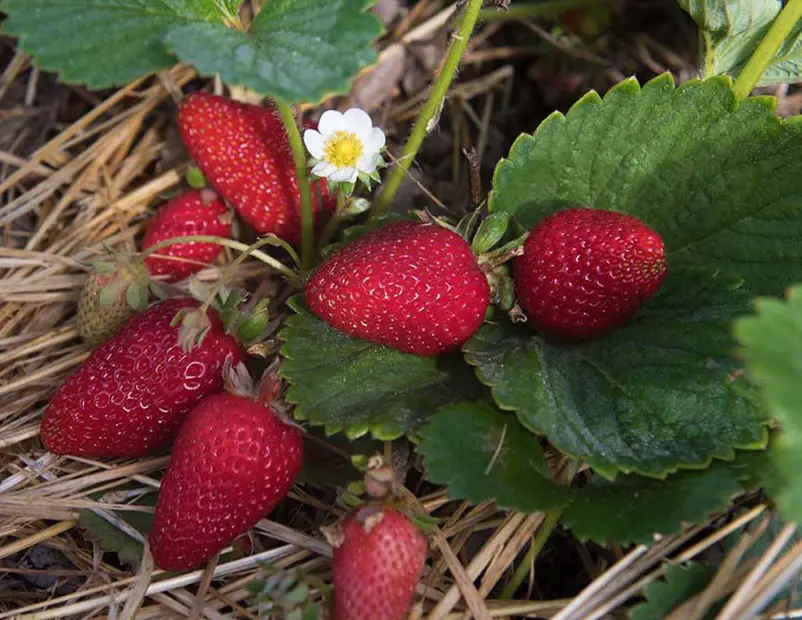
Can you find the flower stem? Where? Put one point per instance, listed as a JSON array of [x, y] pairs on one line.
[[540, 9], [430, 110], [231, 269], [229, 243], [538, 542], [333, 224], [765, 52], [299, 157]]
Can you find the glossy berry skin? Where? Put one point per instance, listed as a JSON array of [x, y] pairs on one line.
[[584, 271], [377, 566], [232, 463], [411, 286], [244, 153], [132, 393], [196, 212]]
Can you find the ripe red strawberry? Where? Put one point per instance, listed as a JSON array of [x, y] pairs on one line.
[[197, 212], [234, 460], [131, 395], [411, 286], [585, 271], [244, 152], [377, 562]]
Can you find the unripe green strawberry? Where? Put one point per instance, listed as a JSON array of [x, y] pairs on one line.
[[112, 294], [378, 559], [586, 271]]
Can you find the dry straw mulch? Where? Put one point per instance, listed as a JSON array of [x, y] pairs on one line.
[[94, 179]]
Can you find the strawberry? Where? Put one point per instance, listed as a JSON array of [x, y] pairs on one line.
[[114, 292], [378, 559], [411, 286], [132, 393], [244, 152], [197, 212], [233, 461], [585, 271]]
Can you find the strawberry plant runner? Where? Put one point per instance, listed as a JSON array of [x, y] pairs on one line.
[[669, 411]]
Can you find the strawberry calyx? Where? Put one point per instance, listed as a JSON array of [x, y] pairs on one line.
[[237, 380], [122, 276]]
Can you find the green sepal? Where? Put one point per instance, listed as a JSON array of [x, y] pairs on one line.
[[490, 232]]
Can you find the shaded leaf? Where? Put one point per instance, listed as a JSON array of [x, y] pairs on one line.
[[772, 347], [633, 508], [297, 50], [729, 31], [680, 584], [720, 180], [482, 454], [119, 40], [354, 385], [649, 397]]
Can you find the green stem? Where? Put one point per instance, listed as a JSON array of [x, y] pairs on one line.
[[767, 49], [229, 243], [539, 541], [232, 268], [540, 9], [333, 224], [299, 157], [430, 109]]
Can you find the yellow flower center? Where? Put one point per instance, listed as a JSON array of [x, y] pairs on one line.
[[343, 149]]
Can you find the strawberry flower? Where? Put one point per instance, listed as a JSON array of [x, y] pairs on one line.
[[345, 147]]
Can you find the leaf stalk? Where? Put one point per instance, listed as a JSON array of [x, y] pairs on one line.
[[539, 9], [767, 49], [234, 245], [302, 173], [430, 110]]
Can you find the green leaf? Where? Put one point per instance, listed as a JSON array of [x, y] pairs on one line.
[[112, 538], [649, 397], [760, 546], [680, 584], [297, 50], [103, 44], [729, 31], [633, 508], [772, 347], [721, 181], [482, 454], [354, 385]]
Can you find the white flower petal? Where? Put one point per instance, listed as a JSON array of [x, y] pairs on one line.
[[359, 122], [315, 143], [368, 162], [323, 169], [330, 122], [375, 142], [344, 175]]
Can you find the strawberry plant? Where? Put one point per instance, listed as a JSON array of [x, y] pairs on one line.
[[592, 308]]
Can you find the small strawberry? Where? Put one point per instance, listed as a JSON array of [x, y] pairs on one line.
[[114, 292], [411, 286], [378, 559], [132, 393], [234, 460], [197, 212], [244, 152], [586, 271]]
